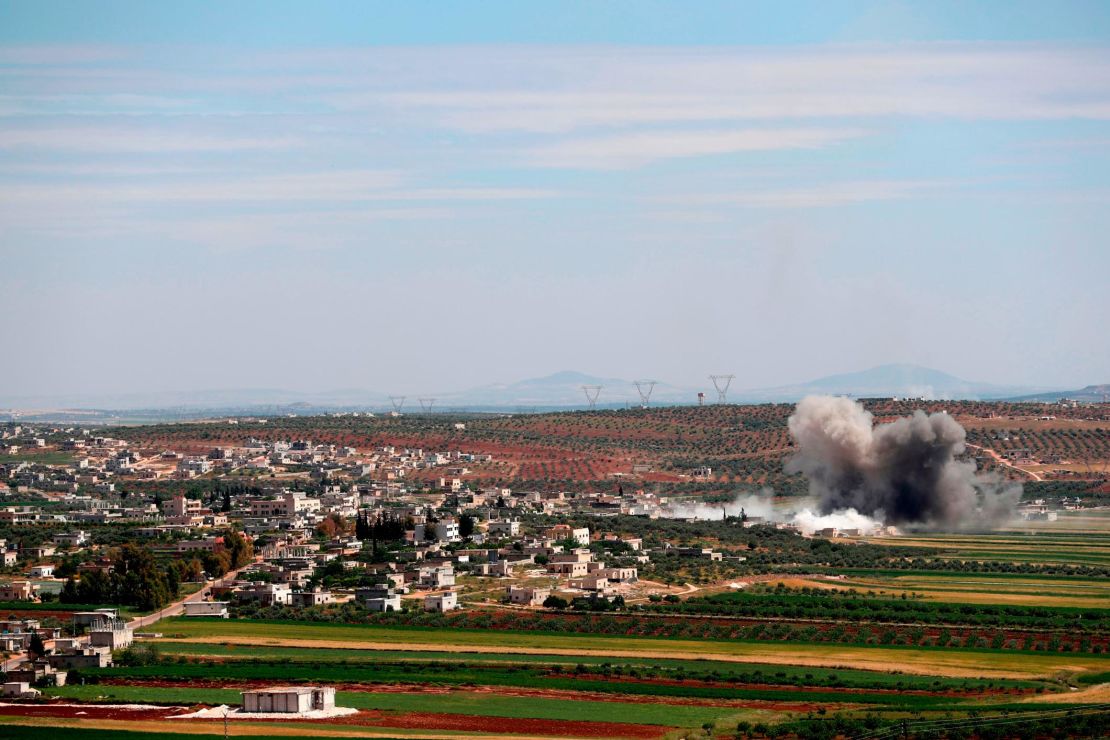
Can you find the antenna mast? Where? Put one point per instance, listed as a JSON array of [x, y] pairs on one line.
[[644, 388], [592, 392], [721, 383]]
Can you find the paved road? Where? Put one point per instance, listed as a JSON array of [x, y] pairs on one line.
[[178, 607], [170, 610]]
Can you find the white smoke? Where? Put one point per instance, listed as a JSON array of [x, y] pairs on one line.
[[752, 504], [761, 506], [808, 522]]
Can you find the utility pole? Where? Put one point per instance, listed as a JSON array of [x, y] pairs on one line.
[[644, 388], [721, 383], [592, 392]]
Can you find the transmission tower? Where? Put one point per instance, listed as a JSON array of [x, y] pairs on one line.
[[721, 383], [426, 404], [644, 388], [592, 392], [398, 402]]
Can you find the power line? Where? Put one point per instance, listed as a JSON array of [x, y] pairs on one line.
[[592, 392], [721, 383], [644, 388]]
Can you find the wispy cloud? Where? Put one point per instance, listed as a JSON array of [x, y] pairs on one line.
[[325, 187], [820, 196], [622, 151], [114, 139]]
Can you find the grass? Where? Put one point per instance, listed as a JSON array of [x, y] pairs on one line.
[[43, 458], [982, 588], [485, 675], [931, 661], [770, 672], [460, 702]]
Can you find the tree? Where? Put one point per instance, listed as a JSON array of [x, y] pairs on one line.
[[466, 526], [555, 602], [239, 549], [36, 647], [138, 580], [69, 593]]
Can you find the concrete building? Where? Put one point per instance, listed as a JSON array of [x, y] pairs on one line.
[[19, 591], [527, 596], [289, 700], [206, 609], [506, 528], [443, 602]]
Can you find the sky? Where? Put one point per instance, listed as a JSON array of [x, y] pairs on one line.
[[429, 196]]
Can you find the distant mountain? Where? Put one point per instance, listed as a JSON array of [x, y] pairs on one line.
[[883, 381], [1089, 394], [561, 390]]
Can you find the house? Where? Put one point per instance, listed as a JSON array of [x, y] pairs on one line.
[[37, 672], [266, 594], [289, 700], [287, 505], [572, 569], [379, 598], [81, 657], [527, 596], [113, 634], [439, 576], [20, 690], [504, 528], [42, 571], [206, 609], [312, 597], [19, 591], [442, 602], [580, 535], [71, 539]]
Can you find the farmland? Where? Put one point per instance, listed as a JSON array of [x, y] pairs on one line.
[[726, 627], [745, 445]]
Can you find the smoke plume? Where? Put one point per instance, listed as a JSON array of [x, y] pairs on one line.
[[903, 473], [754, 504]]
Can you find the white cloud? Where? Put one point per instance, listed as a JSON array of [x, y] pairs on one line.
[[558, 90], [621, 151], [98, 139], [819, 196]]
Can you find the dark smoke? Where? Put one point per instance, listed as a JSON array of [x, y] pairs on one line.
[[904, 472]]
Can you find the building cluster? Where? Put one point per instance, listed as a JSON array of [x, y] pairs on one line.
[[95, 635]]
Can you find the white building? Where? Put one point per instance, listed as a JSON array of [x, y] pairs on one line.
[[443, 602], [289, 700], [206, 609], [508, 528], [528, 596]]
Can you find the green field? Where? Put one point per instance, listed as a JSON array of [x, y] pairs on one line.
[[460, 702], [930, 661], [346, 659]]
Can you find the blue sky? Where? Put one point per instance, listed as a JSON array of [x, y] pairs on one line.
[[420, 197]]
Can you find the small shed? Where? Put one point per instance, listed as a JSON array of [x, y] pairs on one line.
[[289, 699]]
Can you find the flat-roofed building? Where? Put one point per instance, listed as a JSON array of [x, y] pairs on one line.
[[289, 700]]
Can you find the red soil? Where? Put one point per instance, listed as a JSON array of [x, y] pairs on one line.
[[422, 720]]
